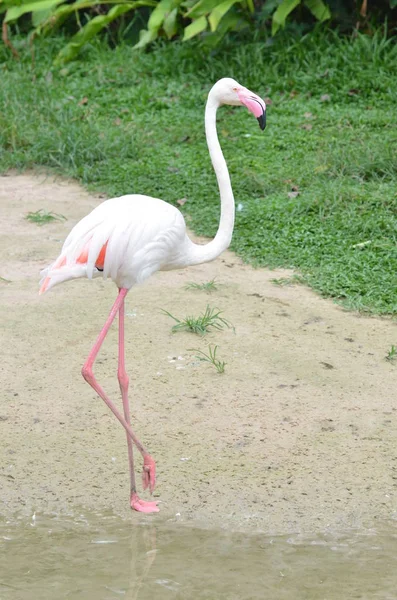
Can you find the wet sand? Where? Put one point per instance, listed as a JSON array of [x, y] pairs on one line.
[[299, 433]]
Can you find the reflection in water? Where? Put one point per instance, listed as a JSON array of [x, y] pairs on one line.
[[102, 557]]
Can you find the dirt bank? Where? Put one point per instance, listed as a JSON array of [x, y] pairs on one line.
[[299, 433]]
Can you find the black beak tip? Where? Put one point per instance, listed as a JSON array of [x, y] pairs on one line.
[[262, 120]]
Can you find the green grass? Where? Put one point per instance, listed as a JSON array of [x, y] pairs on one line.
[[124, 122], [207, 286], [210, 319], [391, 355], [210, 358], [42, 217], [283, 281]]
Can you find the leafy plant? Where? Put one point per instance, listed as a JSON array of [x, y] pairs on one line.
[[210, 19], [216, 16], [93, 26], [168, 18], [42, 217], [202, 324], [209, 286], [49, 15], [392, 354], [285, 7], [210, 358]]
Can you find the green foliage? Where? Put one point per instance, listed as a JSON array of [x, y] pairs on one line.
[[49, 15], [140, 130], [317, 7], [94, 26], [210, 20], [192, 18], [39, 8], [217, 17], [189, 18], [210, 319]]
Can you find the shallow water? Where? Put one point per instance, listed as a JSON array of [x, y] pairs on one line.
[[102, 557]]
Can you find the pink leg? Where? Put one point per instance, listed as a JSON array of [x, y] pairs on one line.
[[149, 464], [136, 502]]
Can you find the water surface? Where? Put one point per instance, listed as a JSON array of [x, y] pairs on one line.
[[102, 557]]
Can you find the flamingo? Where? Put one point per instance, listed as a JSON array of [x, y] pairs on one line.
[[131, 237]]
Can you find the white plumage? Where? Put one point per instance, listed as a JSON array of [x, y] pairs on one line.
[[142, 235]]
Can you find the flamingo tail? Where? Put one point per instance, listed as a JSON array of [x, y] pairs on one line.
[[61, 270], [53, 275]]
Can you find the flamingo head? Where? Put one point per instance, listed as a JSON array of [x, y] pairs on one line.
[[229, 91]]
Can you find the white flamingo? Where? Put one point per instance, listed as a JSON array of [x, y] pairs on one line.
[[131, 237]]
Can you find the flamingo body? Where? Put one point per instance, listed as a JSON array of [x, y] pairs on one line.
[[133, 236]]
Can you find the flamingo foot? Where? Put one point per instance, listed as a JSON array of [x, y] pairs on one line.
[[149, 473], [141, 505]]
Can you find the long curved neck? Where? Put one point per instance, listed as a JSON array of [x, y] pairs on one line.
[[223, 236]]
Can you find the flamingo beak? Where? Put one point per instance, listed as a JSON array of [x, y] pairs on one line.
[[262, 120], [255, 105]]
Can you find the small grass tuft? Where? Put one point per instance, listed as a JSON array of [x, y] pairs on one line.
[[42, 217], [210, 358], [392, 354], [211, 318], [283, 281], [209, 286]]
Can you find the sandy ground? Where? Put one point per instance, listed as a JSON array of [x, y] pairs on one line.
[[298, 434]]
